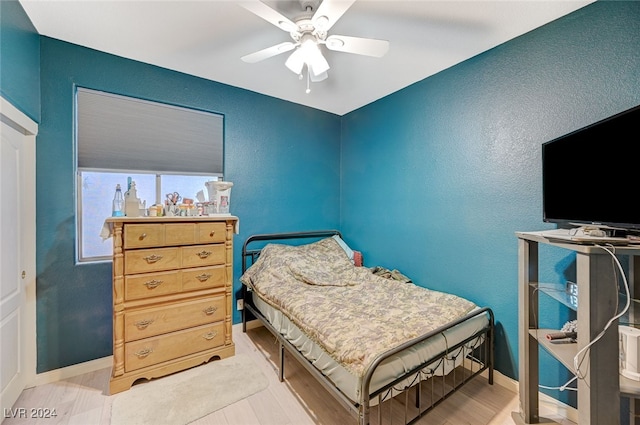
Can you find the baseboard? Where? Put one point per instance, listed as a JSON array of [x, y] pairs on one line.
[[253, 324], [97, 364], [71, 371], [556, 406]]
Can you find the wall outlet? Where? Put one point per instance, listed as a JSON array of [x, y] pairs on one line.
[[240, 304]]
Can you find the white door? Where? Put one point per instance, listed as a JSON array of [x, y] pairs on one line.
[[17, 255]]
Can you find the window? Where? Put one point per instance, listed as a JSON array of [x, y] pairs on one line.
[[163, 148]]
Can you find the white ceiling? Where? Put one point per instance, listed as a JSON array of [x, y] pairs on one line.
[[207, 38]]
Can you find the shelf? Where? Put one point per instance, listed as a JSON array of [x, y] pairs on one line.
[[563, 350], [559, 292], [597, 393]]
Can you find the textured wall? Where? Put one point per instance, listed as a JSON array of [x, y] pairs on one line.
[[282, 158], [438, 177], [19, 59]]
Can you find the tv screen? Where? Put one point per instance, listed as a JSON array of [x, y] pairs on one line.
[[592, 175]]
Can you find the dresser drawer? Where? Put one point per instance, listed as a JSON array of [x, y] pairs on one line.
[[151, 285], [180, 233], [143, 235], [211, 232], [150, 260], [172, 282], [203, 255], [203, 278], [149, 322], [154, 350]]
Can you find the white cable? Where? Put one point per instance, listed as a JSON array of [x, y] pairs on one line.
[[576, 362], [563, 387]]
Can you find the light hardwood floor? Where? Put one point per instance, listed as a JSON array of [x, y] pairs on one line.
[[300, 400]]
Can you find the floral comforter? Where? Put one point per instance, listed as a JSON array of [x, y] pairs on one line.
[[352, 313]]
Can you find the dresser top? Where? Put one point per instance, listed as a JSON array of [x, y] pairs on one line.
[[111, 222], [165, 219]]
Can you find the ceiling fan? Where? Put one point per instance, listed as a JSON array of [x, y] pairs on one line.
[[309, 31]]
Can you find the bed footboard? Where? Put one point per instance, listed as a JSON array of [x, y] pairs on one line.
[[416, 392], [428, 384]]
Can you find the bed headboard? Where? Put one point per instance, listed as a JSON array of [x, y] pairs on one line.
[[254, 253]]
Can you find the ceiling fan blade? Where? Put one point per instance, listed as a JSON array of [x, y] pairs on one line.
[[270, 15], [329, 12], [269, 52], [357, 45]]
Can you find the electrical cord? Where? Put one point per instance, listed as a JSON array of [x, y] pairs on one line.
[[577, 361], [564, 387]]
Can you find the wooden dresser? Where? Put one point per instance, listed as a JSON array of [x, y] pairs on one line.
[[172, 294]]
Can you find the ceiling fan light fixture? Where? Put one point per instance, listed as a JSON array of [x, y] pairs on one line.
[[295, 61], [317, 64], [312, 55], [308, 45], [308, 53], [319, 77]]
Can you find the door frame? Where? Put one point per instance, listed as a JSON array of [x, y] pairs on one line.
[[15, 118]]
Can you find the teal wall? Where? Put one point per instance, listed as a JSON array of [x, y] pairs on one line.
[[282, 158], [433, 180], [19, 59], [437, 177]]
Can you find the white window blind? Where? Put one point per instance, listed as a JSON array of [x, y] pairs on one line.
[[123, 133]]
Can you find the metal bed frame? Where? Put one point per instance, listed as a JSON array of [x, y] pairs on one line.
[[422, 377]]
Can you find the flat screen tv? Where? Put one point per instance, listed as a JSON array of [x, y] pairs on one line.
[[592, 176]]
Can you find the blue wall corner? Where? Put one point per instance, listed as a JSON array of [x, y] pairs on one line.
[[285, 178], [439, 176], [433, 180]]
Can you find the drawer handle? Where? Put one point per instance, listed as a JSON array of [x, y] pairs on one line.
[[142, 236], [213, 232], [143, 324], [153, 284], [203, 277], [209, 336], [203, 254], [153, 258], [144, 353], [210, 310]]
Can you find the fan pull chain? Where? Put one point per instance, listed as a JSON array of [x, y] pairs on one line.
[[308, 79]]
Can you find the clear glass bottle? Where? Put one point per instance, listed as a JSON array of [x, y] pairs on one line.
[[118, 203]]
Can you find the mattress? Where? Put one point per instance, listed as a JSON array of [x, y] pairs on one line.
[[350, 384]]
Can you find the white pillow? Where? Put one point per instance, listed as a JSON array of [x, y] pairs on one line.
[[344, 246]]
